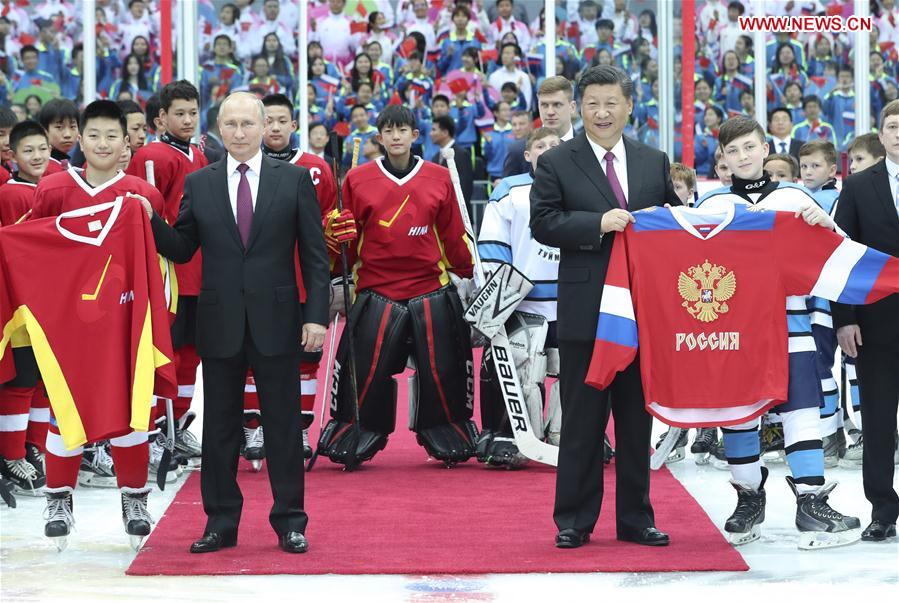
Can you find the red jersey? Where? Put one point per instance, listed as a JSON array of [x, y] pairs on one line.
[[16, 198], [54, 166], [171, 166], [68, 190], [410, 230], [87, 288], [4, 175], [7, 367]]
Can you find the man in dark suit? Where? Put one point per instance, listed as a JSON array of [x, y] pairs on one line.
[[249, 215], [583, 191], [868, 210], [443, 129], [780, 126]]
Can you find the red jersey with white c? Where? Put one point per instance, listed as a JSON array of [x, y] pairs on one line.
[[87, 288], [410, 230]]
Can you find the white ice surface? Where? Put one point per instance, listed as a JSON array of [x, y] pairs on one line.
[[93, 567]]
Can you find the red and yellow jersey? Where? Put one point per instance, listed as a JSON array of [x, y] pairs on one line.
[[87, 288], [171, 166], [410, 230], [16, 198], [69, 190]]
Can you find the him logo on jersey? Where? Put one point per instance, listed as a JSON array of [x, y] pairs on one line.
[[418, 231], [127, 296]]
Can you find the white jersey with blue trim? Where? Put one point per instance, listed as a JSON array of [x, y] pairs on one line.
[[779, 196], [505, 236]]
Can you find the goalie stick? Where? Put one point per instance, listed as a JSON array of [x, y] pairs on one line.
[[525, 438], [665, 447]]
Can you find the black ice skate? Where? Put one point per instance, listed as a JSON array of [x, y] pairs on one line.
[[307, 447], [58, 514], [135, 516], [34, 456], [157, 451], [25, 477], [186, 444], [819, 525], [608, 453], [254, 447], [743, 526], [97, 470], [6, 495], [702, 444], [499, 451], [834, 447]]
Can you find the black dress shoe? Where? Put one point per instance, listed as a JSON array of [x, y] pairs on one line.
[[293, 542], [878, 531], [647, 536], [569, 538], [213, 541]]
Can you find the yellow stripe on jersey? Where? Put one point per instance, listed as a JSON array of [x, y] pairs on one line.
[[19, 338], [148, 359], [70, 426], [169, 283], [444, 262]]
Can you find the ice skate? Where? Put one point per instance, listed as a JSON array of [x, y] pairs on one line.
[[744, 525], [156, 452], [819, 525], [307, 448], [34, 456], [771, 437], [834, 448], [254, 449], [608, 453], [852, 458], [58, 514], [135, 516], [25, 477], [186, 444], [6, 492], [499, 451], [96, 470], [670, 448], [702, 444]]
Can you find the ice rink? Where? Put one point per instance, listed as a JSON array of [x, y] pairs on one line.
[[93, 566]]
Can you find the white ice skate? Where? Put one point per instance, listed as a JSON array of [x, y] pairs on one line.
[[255, 447]]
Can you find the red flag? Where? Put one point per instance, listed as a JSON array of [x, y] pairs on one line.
[[227, 73], [349, 101], [589, 53], [245, 26], [377, 77], [207, 28], [358, 27], [491, 54], [360, 8], [480, 37], [26, 39], [407, 47], [22, 3], [458, 86], [342, 129], [574, 30], [437, 4], [37, 82], [395, 99], [834, 9]]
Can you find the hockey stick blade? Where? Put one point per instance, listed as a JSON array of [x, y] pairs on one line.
[[510, 386], [661, 453], [168, 443], [7, 495]]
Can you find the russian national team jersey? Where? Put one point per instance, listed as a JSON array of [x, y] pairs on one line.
[[779, 196], [410, 230], [87, 288], [505, 237], [16, 199], [701, 295], [171, 166]]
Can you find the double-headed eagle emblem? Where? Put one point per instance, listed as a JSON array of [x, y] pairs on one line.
[[706, 289]]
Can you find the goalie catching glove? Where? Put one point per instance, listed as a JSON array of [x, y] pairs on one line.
[[339, 227]]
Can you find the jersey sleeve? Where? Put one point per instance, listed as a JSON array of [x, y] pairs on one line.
[[451, 232], [615, 346], [817, 261], [495, 237], [46, 203]]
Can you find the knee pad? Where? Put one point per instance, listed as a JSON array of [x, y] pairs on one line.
[[339, 443]]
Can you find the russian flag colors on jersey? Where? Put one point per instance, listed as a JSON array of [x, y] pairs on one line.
[[707, 290]]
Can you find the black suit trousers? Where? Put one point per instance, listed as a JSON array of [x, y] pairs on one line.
[[279, 400], [878, 382], [585, 412]]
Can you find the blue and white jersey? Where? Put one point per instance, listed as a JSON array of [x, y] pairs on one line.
[[502, 189], [780, 196], [505, 237]]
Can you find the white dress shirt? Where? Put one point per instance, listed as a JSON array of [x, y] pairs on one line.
[[776, 148], [893, 173], [255, 164], [619, 163], [568, 135]]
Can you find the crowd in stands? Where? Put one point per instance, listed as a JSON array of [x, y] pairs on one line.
[[480, 62]]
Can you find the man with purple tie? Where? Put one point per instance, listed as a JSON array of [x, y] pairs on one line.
[[249, 215], [583, 192]]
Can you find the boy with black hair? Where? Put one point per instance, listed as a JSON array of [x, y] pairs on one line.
[[30, 75], [839, 107], [24, 407], [155, 127], [59, 117], [813, 127], [279, 124], [362, 129], [7, 122], [137, 124], [104, 137], [174, 157], [820, 526], [412, 244]]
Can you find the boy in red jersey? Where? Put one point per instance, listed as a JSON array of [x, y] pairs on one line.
[[174, 157], [59, 117], [411, 237]]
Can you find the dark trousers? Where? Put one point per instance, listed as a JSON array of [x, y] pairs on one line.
[[585, 412], [878, 383], [279, 395]]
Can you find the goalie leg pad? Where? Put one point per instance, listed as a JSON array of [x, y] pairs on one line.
[[443, 358], [338, 441], [381, 331], [527, 336], [450, 442], [494, 417]]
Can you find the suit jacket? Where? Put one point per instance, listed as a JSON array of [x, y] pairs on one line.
[[569, 196], [466, 171], [865, 210], [213, 149], [515, 163], [257, 284], [795, 145]]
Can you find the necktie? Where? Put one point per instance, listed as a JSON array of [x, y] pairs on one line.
[[613, 179], [783, 147], [244, 205]]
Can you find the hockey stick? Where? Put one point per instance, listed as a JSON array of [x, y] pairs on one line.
[[525, 439], [6, 494], [665, 447], [352, 461]]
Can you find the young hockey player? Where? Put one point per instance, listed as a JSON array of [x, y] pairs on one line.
[[411, 237], [744, 148], [174, 157], [59, 117]]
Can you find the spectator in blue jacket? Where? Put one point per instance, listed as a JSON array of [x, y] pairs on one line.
[[456, 42], [494, 144]]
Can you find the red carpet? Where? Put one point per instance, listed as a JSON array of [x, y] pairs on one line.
[[403, 514]]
